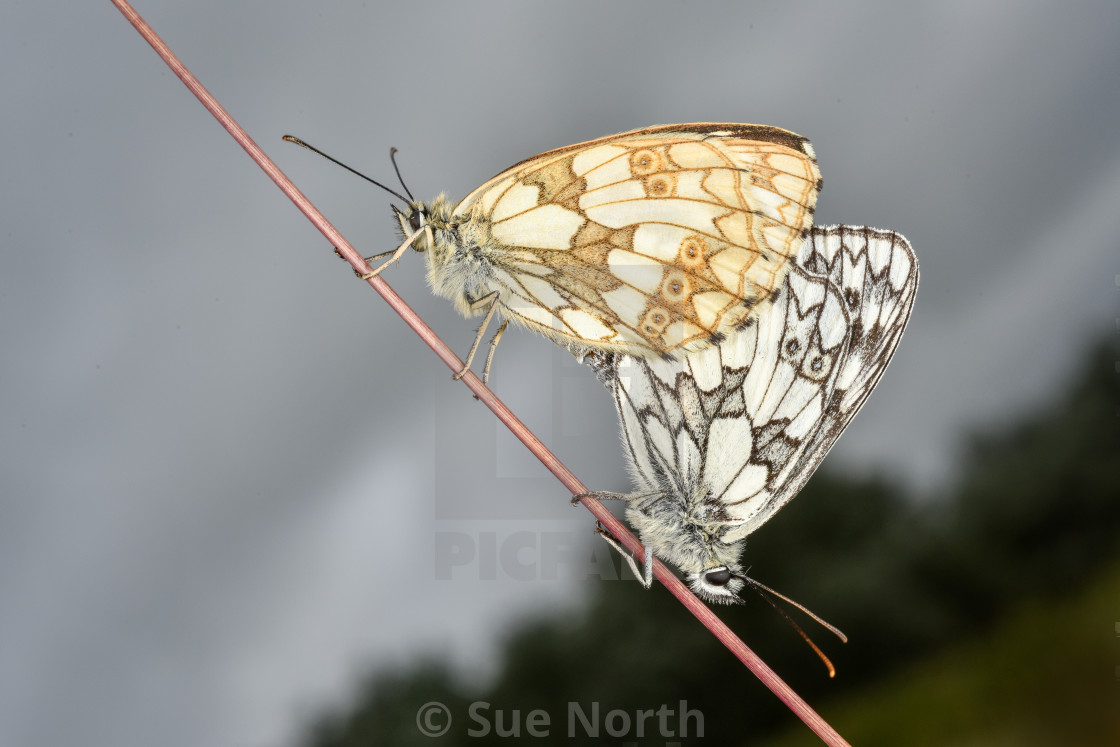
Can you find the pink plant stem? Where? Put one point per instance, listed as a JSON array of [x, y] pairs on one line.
[[613, 525]]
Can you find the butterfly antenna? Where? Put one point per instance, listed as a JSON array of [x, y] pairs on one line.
[[763, 590], [393, 158], [817, 618], [398, 195]]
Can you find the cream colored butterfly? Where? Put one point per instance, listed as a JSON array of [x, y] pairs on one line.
[[651, 243], [720, 440]]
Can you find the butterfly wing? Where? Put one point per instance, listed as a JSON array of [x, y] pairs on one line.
[[752, 418], [652, 242], [877, 272], [774, 386], [727, 424]]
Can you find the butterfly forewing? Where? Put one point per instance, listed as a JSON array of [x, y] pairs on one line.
[[651, 242]]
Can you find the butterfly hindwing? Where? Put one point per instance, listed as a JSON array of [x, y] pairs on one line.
[[877, 273]]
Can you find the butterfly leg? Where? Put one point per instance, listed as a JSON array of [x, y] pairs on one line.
[[395, 254], [645, 576], [491, 300], [493, 346], [606, 495]]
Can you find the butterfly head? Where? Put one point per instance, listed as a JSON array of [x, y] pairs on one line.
[[717, 585], [681, 532], [412, 219], [438, 215], [451, 243]]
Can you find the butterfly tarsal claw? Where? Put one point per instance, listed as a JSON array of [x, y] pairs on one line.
[[644, 575], [493, 346], [491, 300], [375, 273], [393, 255], [600, 495], [490, 356]]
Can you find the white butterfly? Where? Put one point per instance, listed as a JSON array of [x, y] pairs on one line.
[[721, 439]]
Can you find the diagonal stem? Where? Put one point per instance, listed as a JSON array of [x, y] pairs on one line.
[[675, 586]]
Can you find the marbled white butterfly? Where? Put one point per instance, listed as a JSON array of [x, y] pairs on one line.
[[652, 242], [721, 439]]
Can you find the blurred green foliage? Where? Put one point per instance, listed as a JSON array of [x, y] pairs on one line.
[[982, 616], [1046, 675]]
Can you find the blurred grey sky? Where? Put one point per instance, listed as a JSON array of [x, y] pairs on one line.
[[219, 504]]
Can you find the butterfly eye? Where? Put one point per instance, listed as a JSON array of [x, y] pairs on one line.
[[720, 577]]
